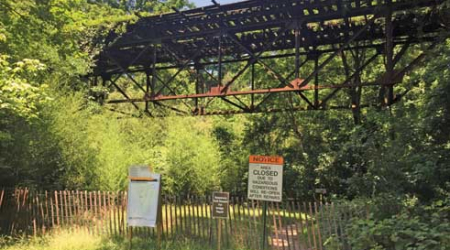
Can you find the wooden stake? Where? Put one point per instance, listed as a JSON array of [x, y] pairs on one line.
[[219, 233], [1, 197], [131, 237], [57, 209]]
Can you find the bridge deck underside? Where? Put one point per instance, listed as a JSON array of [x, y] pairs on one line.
[[245, 53]]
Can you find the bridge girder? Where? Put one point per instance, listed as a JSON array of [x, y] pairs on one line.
[[227, 53]]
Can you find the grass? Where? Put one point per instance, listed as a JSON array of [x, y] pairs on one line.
[[66, 240], [203, 211], [56, 241]]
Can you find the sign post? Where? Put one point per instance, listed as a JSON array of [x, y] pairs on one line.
[[220, 210], [144, 196], [321, 192], [263, 243], [265, 182]]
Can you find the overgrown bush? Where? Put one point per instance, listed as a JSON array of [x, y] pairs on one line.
[[413, 228]]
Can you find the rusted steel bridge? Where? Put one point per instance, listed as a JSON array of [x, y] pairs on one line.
[[235, 58]]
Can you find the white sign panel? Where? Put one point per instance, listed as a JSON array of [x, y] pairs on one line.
[[321, 190], [265, 178], [143, 197]]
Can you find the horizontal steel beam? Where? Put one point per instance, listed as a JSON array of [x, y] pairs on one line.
[[247, 92], [378, 46]]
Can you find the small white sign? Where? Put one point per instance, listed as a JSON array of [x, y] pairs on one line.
[[265, 178], [321, 190], [143, 197]]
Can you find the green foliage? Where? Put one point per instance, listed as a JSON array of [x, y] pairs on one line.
[[44, 49], [233, 155], [423, 228], [190, 158], [19, 92], [97, 148], [21, 100], [150, 6]]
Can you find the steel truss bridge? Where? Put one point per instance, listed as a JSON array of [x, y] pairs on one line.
[[269, 56]]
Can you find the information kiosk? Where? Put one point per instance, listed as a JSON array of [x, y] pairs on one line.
[[144, 199]]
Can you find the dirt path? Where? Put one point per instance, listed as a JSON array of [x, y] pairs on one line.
[[286, 238]]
